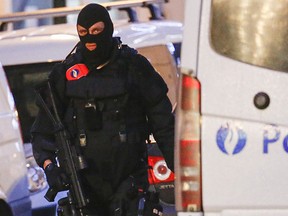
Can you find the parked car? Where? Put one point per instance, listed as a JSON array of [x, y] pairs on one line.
[[28, 55], [14, 194], [232, 117]]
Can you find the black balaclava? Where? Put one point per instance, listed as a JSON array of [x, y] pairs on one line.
[[87, 17]]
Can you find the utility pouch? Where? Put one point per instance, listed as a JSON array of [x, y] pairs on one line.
[[93, 116]]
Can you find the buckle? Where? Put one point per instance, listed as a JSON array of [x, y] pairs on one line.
[[82, 139]]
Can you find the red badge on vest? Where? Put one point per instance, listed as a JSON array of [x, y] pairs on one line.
[[76, 72]]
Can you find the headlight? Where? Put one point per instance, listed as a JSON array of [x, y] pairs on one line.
[[36, 176]]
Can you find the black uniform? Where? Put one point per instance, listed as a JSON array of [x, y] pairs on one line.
[[114, 107]]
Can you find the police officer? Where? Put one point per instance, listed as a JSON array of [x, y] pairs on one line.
[[109, 98]]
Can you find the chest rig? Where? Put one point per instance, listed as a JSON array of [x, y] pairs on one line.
[[98, 101], [107, 121]]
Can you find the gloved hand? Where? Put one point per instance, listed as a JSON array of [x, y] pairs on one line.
[[152, 205], [153, 209], [56, 178]]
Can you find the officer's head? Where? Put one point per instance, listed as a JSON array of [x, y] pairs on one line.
[[95, 30]]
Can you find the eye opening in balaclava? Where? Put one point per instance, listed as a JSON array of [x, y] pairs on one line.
[[88, 16]]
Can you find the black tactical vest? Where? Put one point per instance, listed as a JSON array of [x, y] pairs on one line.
[[107, 122]]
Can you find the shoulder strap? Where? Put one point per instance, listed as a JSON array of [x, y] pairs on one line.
[[128, 55], [74, 57]]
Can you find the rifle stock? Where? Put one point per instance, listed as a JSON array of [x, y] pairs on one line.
[[66, 153]]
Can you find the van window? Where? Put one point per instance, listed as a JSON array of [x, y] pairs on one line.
[[22, 80], [254, 32]]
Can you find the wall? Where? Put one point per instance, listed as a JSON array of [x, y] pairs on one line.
[[5, 6], [175, 10]]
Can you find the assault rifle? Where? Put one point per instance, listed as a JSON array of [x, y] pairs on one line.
[[69, 159]]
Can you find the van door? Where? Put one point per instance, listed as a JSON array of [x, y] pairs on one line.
[[14, 194], [240, 59]]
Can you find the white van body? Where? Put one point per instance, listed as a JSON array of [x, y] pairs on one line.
[[244, 149], [14, 194]]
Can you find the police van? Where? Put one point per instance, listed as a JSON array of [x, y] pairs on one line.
[[232, 117], [14, 193], [29, 54]]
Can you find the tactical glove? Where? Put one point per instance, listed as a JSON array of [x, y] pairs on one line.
[[56, 178], [152, 205]]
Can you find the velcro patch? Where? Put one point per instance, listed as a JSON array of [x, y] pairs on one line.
[[76, 72]]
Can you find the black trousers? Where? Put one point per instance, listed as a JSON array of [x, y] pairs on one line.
[[123, 202]]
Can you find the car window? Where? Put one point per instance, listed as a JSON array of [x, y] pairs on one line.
[[22, 80], [239, 31]]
